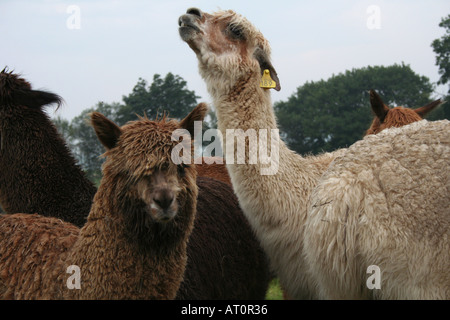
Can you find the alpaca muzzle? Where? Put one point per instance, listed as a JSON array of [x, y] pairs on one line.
[[188, 23], [164, 206]]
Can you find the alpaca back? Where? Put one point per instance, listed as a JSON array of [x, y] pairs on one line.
[[216, 171], [225, 261], [386, 202], [31, 253]]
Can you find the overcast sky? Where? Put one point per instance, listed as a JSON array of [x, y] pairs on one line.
[[101, 55]]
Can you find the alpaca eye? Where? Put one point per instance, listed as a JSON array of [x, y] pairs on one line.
[[181, 169], [236, 31]]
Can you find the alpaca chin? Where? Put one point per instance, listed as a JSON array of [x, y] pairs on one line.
[[187, 33], [156, 214], [188, 30]]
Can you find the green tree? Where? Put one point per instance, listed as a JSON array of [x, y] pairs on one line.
[[441, 47], [327, 115], [65, 130], [164, 95], [85, 145]]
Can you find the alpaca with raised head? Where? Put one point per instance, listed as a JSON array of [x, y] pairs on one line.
[[134, 244], [386, 117], [38, 173], [232, 57]]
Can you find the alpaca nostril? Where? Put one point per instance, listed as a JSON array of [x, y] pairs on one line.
[[195, 12], [163, 199]]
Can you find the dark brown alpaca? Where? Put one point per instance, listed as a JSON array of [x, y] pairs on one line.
[[225, 261], [38, 173], [386, 117]]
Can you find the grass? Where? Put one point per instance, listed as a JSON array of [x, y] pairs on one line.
[[274, 291]]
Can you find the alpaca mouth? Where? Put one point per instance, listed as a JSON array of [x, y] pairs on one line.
[[160, 215], [165, 216], [187, 27]]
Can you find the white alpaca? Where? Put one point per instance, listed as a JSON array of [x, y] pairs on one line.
[[386, 203], [232, 55]]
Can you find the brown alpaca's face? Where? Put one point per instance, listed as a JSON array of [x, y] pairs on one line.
[[227, 42], [140, 163], [159, 192], [142, 155]]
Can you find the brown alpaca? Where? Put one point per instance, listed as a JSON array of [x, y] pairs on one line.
[[386, 117], [133, 245], [38, 173], [209, 168]]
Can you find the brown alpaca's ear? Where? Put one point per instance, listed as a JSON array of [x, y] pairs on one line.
[[107, 131], [197, 114], [378, 106], [35, 98], [423, 111], [264, 63]]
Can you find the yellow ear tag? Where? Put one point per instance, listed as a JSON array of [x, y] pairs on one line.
[[266, 81]]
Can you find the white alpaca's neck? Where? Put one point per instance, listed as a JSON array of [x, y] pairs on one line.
[[243, 105], [276, 204]]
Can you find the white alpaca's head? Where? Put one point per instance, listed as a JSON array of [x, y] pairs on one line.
[[227, 45]]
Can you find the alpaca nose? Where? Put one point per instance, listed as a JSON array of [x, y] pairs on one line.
[[163, 198], [195, 12]]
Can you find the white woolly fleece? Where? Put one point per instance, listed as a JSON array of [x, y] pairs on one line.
[[385, 202]]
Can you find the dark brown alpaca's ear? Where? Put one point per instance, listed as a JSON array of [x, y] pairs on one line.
[[378, 106], [35, 98], [264, 63], [197, 114], [423, 111], [107, 131]]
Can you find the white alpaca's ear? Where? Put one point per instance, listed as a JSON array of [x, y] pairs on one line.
[[197, 114], [264, 63], [107, 131], [378, 106]]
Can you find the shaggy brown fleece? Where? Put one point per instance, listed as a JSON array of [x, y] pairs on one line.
[[125, 250]]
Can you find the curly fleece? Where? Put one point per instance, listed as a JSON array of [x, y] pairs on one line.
[[385, 202]]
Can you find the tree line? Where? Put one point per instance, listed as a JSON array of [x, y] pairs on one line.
[[319, 116]]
